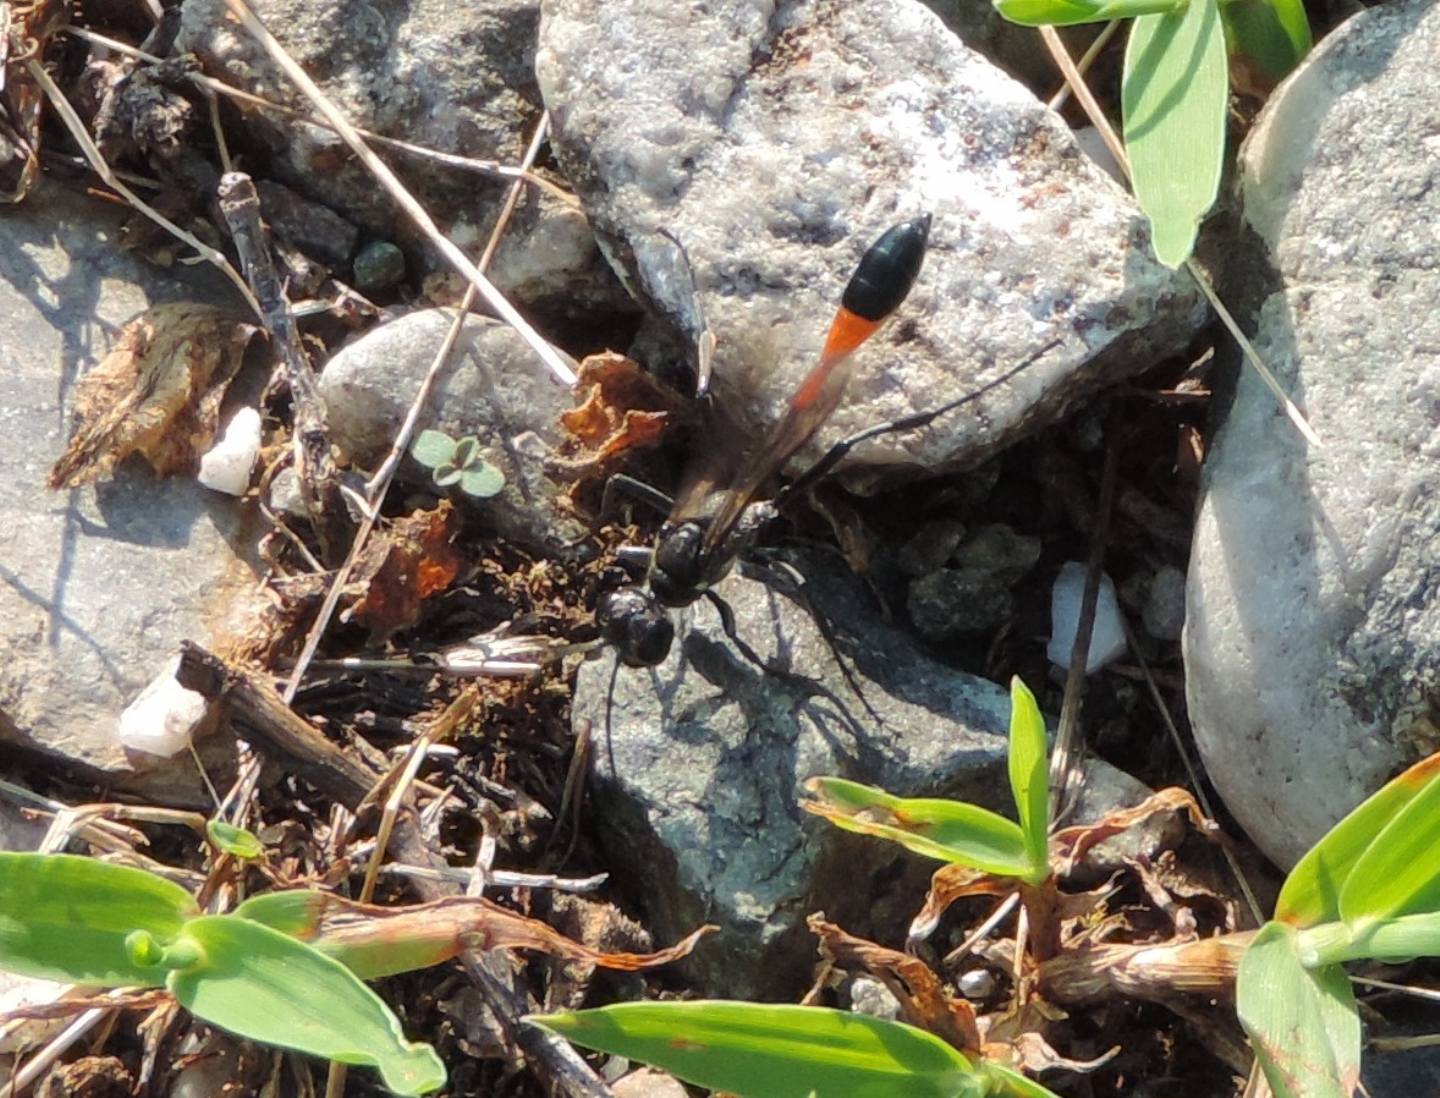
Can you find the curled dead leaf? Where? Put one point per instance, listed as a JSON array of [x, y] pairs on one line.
[[623, 409], [914, 984], [378, 941], [158, 393], [404, 565]]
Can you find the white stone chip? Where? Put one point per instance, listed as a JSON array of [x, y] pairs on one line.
[[162, 719], [1107, 637], [226, 468]]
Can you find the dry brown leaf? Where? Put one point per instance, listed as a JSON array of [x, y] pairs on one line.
[[403, 566], [157, 392], [953, 882], [921, 994], [374, 938], [28, 26], [623, 409], [1069, 845]]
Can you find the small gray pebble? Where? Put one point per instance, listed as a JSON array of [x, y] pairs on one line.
[[958, 600], [378, 265], [978, 984], [998, 549], [1164, 612], [930, 547], [869, 996]]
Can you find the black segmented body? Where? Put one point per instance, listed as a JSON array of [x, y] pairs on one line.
[[888, 270]]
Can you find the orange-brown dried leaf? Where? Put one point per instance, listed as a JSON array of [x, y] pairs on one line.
[[623, 407], [157, 393], [913, 983], [1069, 845], [373, 939], [403, 566], [954, 882], [28, 26]]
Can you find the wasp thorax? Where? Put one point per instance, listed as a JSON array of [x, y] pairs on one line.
[[679, 578], [638, 627]]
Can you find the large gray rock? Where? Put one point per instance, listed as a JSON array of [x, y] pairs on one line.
[[1312, 640], [456, 78], [775, 141], [699, 766], [97, 585]]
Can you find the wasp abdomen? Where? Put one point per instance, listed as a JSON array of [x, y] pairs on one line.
[[887, 270]]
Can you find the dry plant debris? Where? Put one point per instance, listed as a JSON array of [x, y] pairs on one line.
[[403, 566], [157, 393]]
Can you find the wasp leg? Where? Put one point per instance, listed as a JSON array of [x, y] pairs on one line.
[[803, 683], [796, 590], [833, 456], [637, 491]]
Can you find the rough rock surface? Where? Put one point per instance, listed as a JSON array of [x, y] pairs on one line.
[[493, 389], [775, 141], [97, 585], [457, 78], [699, 764], [1312, 639]]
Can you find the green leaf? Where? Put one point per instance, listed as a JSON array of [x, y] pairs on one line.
[[1398, 873], [482, 480], [949, 831], [261, 984], [1302, 1024], [1174, 93], [465, 451], [64, 917], [1395, 941], [432, 448], [293, 911], [232, 840], [1007, 1082], [1029, 776], [1311, 894], [1068, 13], [1273, 35], [447, 475], [757, 1050]]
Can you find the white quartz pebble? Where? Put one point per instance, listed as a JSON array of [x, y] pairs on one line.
[[226, 468], [1107, 638], [163, 717]]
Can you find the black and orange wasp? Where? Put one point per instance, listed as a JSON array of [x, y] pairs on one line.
[[712, 525]]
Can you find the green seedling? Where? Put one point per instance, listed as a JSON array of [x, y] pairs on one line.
[[1369, 890], [1175, 91], [457, 463], [760, 1050], [74, 919], [284, 968], [232, 840], [953, 831]]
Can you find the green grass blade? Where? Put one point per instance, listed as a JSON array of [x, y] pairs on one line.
[[1272, 36], [1029, 776], [1303, 1025], [264, 985], [64, 917], [1398, 873], [948, 831], [757, 1050], [1174, 93], [1069, 13], [1311, 894], [1395, 941]]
